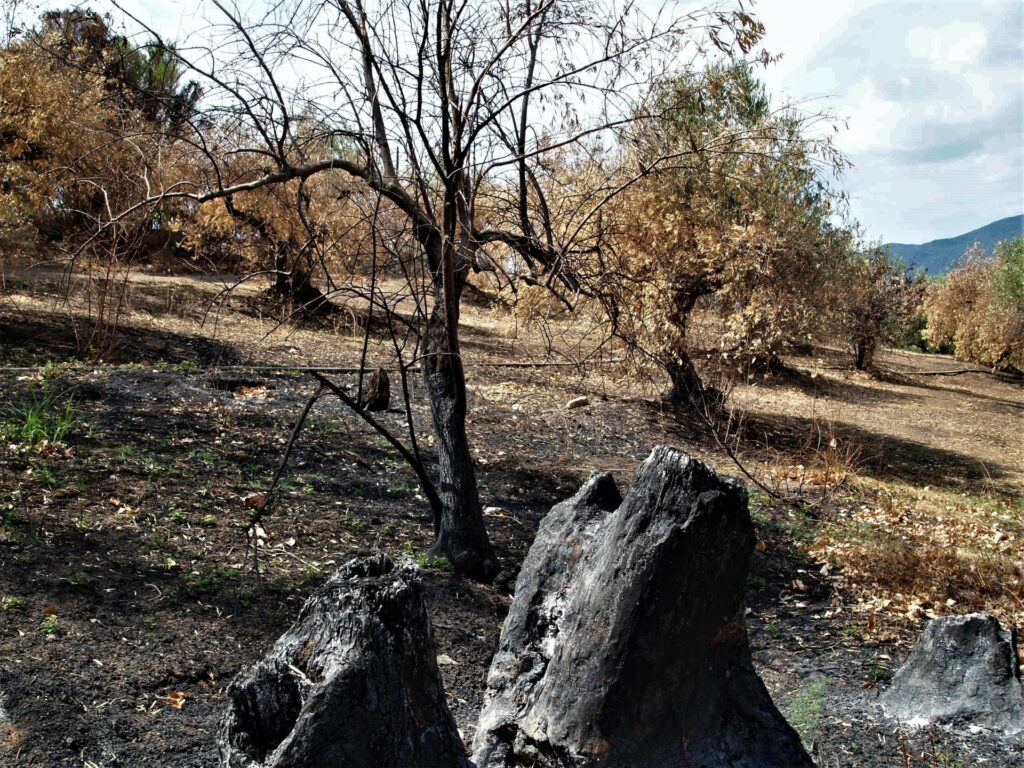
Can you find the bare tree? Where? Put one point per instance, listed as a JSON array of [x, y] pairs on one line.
[[448, 110]]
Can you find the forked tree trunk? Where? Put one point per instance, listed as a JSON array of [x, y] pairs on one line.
[[291, 281], [353, 683], [625, 645], [687, 387], [461, 536]]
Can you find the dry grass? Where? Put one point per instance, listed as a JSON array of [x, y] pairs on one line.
[[917, 483], [917, 553]]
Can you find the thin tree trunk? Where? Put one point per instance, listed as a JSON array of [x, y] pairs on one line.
[[282, 275], [461, 536]]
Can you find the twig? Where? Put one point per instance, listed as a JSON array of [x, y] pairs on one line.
[[252, 538], [425, 482]]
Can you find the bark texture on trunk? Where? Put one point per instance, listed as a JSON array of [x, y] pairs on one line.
[[353, 683], [864, 353], [688, 388], [625, 645], [962, 672], [461, 536]]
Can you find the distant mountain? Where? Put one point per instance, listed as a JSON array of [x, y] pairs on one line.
[[939, 255]]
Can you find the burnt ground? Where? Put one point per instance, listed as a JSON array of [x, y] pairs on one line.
[[130, 600]]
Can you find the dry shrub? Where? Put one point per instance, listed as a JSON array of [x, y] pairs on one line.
[[969, 312], [535, 306], [818, 469], [833, 460]]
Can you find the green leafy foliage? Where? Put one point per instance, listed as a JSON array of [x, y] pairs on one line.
[[437, 563], [1008, 277]]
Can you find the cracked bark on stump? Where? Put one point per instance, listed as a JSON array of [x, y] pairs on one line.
[[354, 683], [625, 645]]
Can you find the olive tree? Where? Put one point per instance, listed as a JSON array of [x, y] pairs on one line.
[[978, 309], [718, 255], [880, 294]]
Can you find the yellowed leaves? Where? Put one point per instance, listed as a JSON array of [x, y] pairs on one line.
[[62, 130], [964, 312]]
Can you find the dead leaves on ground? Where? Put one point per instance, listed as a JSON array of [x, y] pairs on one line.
[[915, 554]]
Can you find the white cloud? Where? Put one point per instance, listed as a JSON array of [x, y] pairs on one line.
[[932, 95], [947, 47]]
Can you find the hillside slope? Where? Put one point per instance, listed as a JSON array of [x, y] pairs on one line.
[[938, 256]]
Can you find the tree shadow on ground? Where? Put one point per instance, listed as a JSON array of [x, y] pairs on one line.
[[517, 496], [905, 379], [33, 337], [789, 377], [874, 454], [798, 439]]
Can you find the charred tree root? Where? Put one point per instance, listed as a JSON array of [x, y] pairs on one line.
[[625, 645], [353, 683]]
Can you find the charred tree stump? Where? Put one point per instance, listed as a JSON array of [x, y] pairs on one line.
[[376, 394], [625, 645], [963, 671], [353, 684]]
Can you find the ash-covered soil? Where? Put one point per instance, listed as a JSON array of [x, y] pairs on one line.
[[130, 597]]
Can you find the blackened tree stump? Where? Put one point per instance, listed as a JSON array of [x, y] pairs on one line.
[[353, 684], [377, 392], [963, 671], [626, 646]]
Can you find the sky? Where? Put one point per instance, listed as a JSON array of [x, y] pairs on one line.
[[929, 96]]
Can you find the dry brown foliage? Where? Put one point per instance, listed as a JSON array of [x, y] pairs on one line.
[[737, 232], [967, 313]]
